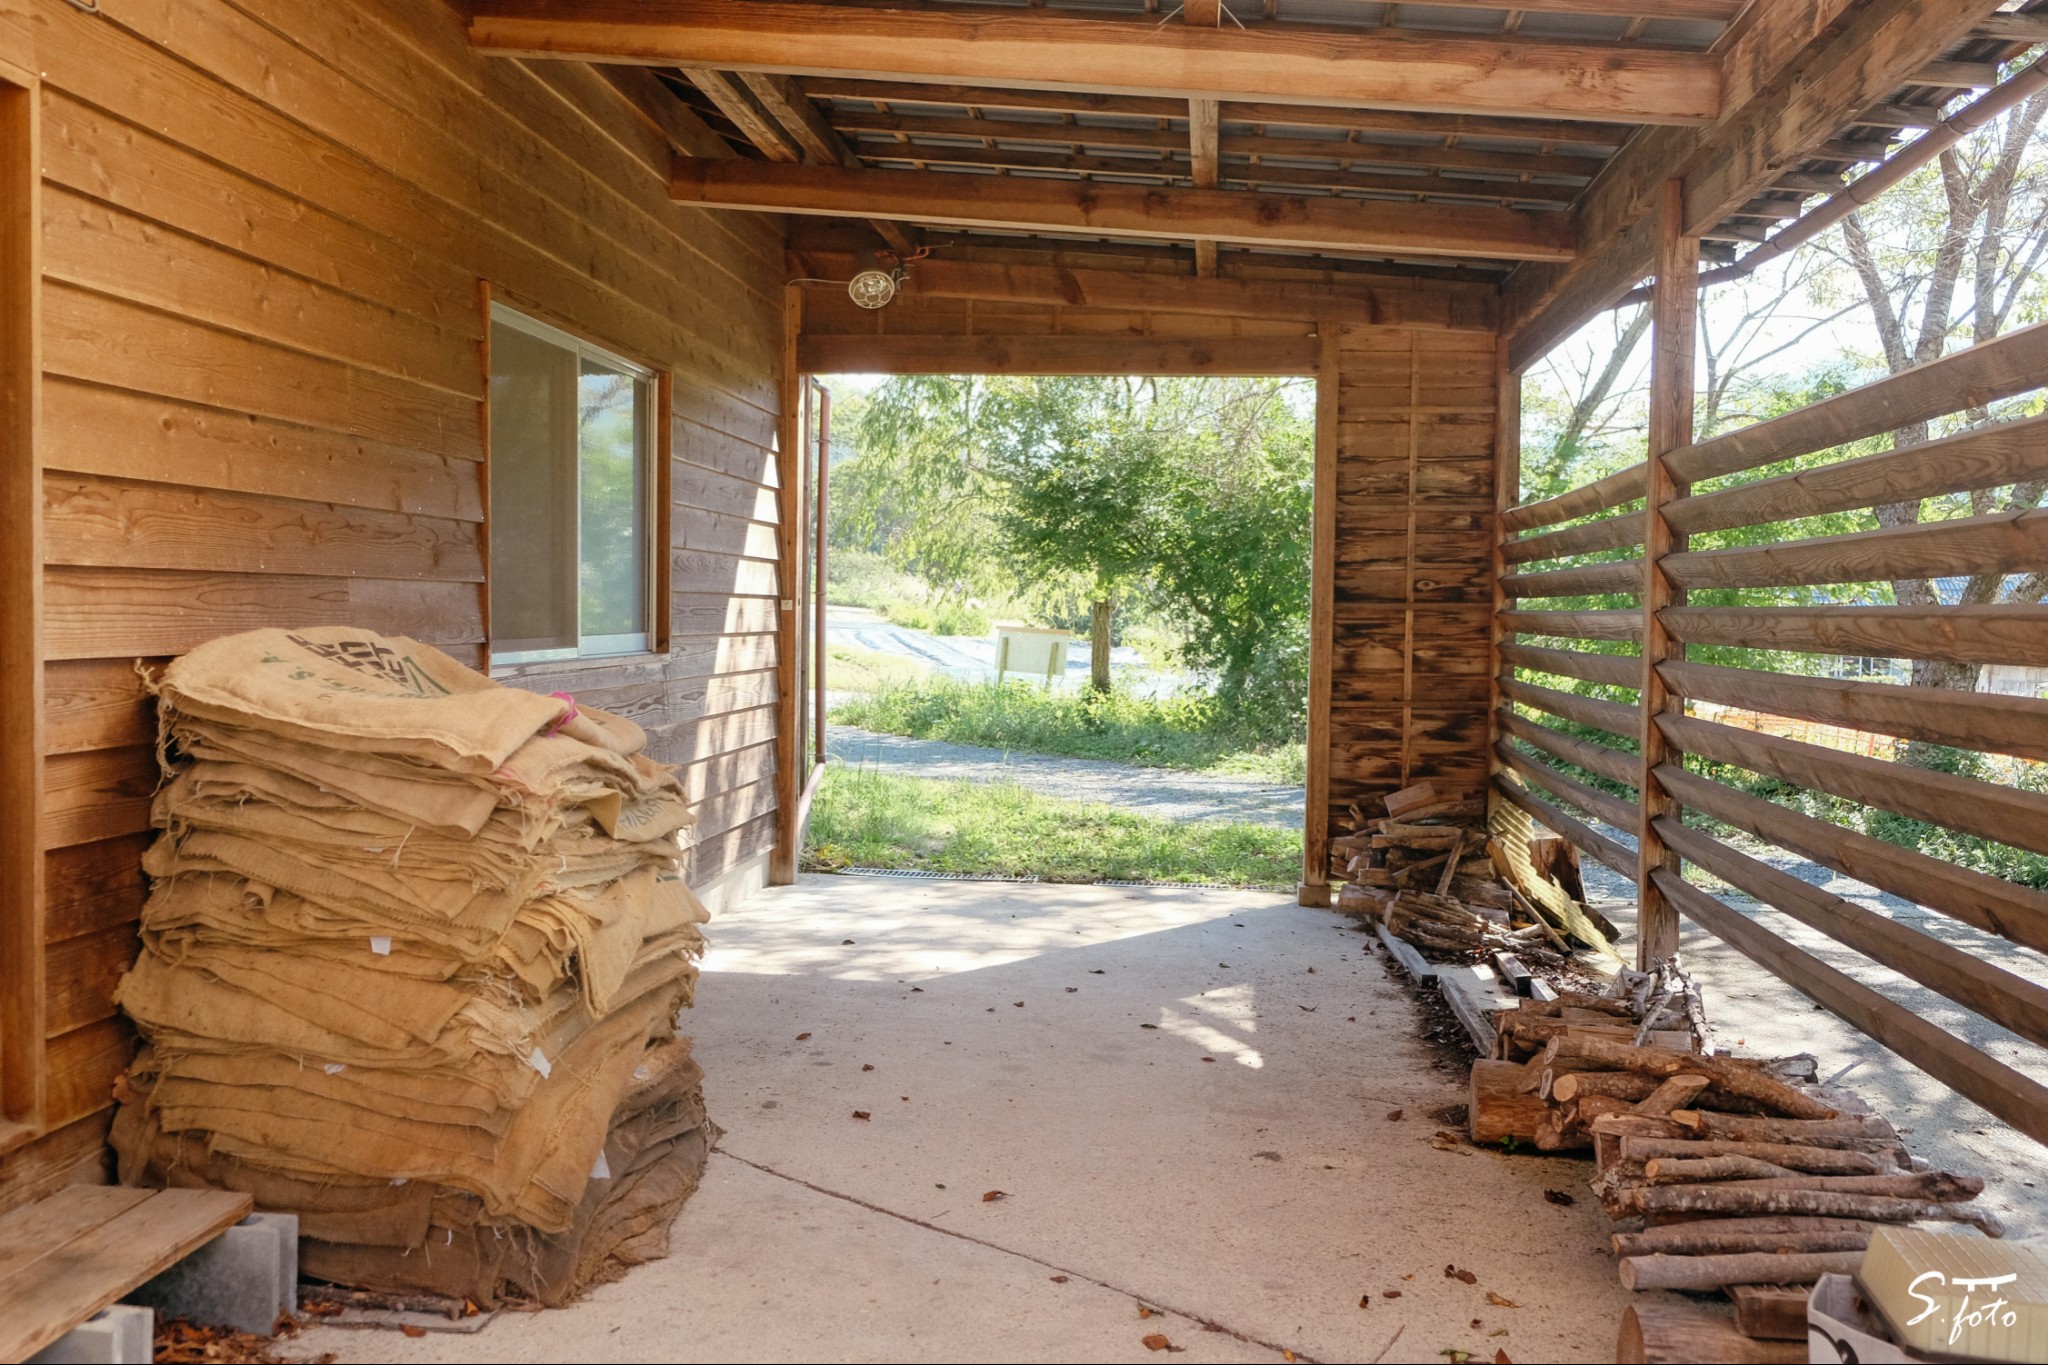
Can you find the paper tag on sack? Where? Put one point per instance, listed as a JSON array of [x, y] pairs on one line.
[[381, 946], [603, 1169], [539, 1062], [335, 1068]]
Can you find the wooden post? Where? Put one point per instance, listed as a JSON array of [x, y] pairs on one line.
[[1673, 328], [818, 628], [789, 527], [1507, 491], [1315, 844], [21, 603]]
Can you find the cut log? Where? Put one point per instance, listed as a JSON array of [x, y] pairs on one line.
[[1770, 1312], [1740, 1197], [1718, 1236], [1412, 798], [1791, 1156], [1636, 1125], [1673, 1093], [1496, 1107], [1701, 1273], [1748, 1082], [1622, 1085], [1944, 1187], [1674, 1332], [1835, 1132], [1664, 1170], [1599, 1004]]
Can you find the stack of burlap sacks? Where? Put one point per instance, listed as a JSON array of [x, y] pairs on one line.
[[414, 960]]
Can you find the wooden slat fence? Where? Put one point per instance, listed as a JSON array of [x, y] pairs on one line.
[[1572, 722]]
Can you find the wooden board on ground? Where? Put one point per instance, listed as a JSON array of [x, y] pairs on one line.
[[1412, 962], [1474, 995], [1654, 1331], [1510, 832], [64, 1258], [1773, 1312]]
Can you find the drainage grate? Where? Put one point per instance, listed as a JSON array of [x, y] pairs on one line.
[[920, 875]]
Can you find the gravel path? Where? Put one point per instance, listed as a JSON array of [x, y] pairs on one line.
[[1169, 793]]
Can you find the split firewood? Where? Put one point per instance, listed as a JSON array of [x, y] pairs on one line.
[[1723, 1236], [1700, 1273], [1562, 1087], [1664, 1170], [1740, 1197], [1569, 1125], [1411, 798], [1615, 1187], [1842, 1131], [1749, 1082], [1673, 1093], [1788, 1155], [1574, 1000], [1636, 1125]]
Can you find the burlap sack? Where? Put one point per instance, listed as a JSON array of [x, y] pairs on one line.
[[350, 689]]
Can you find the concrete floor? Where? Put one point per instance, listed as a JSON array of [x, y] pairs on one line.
[[1210, 1104]]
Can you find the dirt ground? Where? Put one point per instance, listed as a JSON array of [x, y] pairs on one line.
[[1208, 1116]]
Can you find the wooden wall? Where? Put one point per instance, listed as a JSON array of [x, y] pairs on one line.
[[1413, 584], [268, 227]]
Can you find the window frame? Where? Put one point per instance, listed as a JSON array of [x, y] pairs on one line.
[[653, 456]]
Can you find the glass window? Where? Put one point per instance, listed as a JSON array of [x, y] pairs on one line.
[[571, 511]]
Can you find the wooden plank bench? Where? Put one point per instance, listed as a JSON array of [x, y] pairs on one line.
[[66, 1257]]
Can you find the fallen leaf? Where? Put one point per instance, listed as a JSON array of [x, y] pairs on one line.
[[1208, 1059], [1223, 964], [1286, 1354], [1097, 971], [1394, 1115], [1072, 989], [413, 1331], [846, 943], [1452, 1272], [1059, 1279], [868, 1067], [1311, 971], [1265, 1156], [1559, 1197], [1476, 1324], [991, 1196], [1444, 1142], [1501, 1358], [1143, 1311], [1365, 1300], [1390, 1293], [1018, 1003], [918, 989], [1500, 1301], [802, 1036], [862, 1114], [1311, 1009], [1454, 1355], [1148, 1026], [1157, 1341], [1350, 1018], [904, 1098]]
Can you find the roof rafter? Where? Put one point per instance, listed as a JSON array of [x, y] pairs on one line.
[[1045, 49]]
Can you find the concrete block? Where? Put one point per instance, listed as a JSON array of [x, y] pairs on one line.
[[244, 1278], [121, 1334]]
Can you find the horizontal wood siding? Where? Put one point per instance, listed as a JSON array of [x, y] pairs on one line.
[[1413, 592], [267, 228]]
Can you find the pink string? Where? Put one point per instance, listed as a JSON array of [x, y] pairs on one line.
[[567, 715]]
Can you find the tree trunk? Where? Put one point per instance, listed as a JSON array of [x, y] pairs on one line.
[[1098, 642]]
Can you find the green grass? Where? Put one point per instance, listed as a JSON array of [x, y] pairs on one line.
[[863, 670], [1175, 732], [862, 818]]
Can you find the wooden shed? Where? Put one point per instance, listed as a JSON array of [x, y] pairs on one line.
[[264, 263]]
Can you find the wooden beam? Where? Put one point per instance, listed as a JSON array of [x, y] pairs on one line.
[[1311, 223], [1042, 49], [21, 607], [1202, 13], [1984, 635], [1292, 115], [1794, 78], [1322, 614], [688, 134], [1674, 331], [755, 124], [1204, 139], [1379, 303], [826, 353], [789, 463], [784, 101]]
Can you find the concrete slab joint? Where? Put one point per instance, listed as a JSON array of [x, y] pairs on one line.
[[245, 1278], [120, 1334]]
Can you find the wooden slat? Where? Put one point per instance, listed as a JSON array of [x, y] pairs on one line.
[[29, 1234], [1965, 720], [2004, 814], [83, 973], [1989, 635], [1323, 534], [2010, 452], [1613, 764], [2011, 364], [2011, 1095], [1613, 533], [1616, 670], [73, 1280], [1993, 904], [96, 886], [98, 794], [118, 523], [84, 1065], [1622, 486], [826, 354], [1600, 805], [1619, 576], [1120, 55], [1310, 222], [2005, 542], [1576, 625], [1583, 836], [1616, 719], [2008, 1000]]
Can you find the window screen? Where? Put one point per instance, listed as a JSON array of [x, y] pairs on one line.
[[570, 512]]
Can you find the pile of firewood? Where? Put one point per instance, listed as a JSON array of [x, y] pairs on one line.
[[1427, 873], [1747, 1174]]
